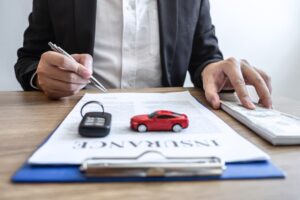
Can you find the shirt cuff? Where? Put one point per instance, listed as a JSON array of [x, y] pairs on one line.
[[32, 80]]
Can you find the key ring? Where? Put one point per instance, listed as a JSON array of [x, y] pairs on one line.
[[91, 102]]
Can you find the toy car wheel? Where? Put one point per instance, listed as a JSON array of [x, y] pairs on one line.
[[177, 128], [142, 128]]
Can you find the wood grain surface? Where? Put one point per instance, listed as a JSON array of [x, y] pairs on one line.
[[27, 118]]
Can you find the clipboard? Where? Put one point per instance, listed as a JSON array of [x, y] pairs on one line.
[[94, 170], [71, 174], [88, 171]]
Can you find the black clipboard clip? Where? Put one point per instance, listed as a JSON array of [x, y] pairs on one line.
[[167, 167]]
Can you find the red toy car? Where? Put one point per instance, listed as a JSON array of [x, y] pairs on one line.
[[161, 120]]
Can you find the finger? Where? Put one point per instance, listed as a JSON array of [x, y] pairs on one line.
[[84, 59], [63, 87], [266, 78], [63, 62], [61, 75], [258, 82], [55, 94], [211, 92], [70, 88], [233, 70]]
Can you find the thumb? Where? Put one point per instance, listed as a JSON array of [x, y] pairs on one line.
[[84, 59], [211, 94]]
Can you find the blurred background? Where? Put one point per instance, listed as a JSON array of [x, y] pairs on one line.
[[265, 32]]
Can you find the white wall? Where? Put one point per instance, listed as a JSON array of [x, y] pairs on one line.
[[13, 21], [265, 32]]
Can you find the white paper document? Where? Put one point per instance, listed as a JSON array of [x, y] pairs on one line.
[[207, 135]]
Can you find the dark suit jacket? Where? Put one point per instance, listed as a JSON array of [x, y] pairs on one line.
[[187, 36]]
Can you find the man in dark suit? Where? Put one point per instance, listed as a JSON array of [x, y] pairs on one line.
[[125, 39]]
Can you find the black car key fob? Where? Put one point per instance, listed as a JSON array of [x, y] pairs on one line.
[[95, 124]]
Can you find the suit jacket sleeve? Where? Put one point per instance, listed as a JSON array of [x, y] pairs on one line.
[[205, 45], [36, 38]]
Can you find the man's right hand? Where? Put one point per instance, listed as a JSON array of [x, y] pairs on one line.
[[59, 76]]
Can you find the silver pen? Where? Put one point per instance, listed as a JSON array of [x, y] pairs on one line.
[[93, 80]]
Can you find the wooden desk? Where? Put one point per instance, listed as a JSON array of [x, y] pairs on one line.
[[26, 118]]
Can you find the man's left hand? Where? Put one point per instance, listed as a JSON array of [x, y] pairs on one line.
[[233, 74]]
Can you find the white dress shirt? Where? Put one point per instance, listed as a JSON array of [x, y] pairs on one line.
[[127, 46]]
